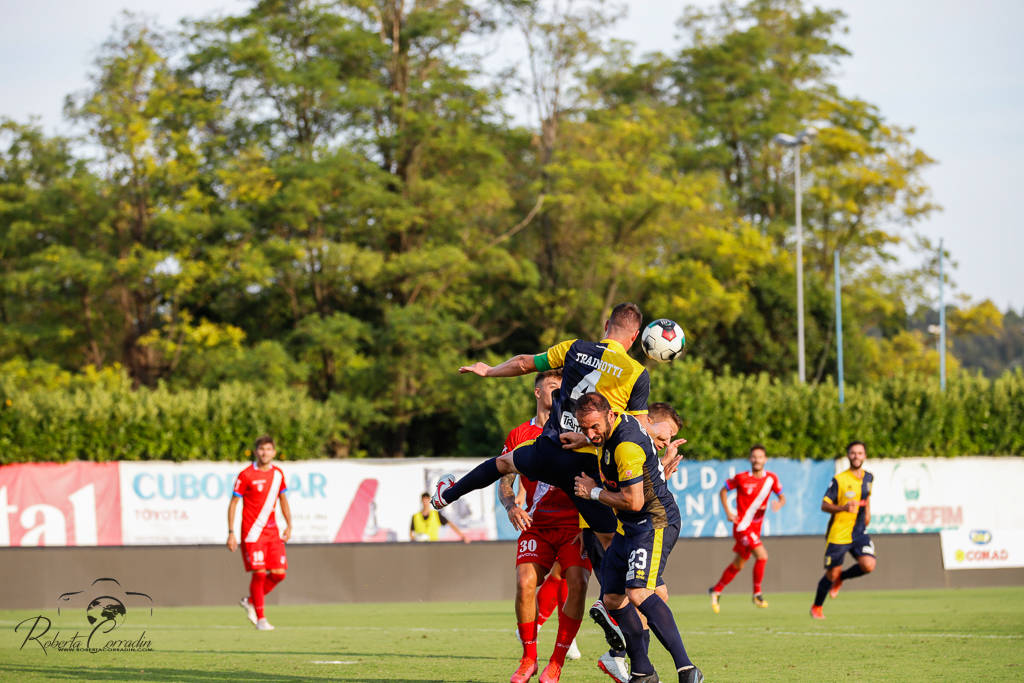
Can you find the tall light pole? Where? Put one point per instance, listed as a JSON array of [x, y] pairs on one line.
[[942, 325], [839, 327], [797, 141]]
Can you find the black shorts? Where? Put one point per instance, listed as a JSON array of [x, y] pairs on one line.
[[637, 560], [546, 461], [835, 553]]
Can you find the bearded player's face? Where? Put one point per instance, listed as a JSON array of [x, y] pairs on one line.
[[595, 425]]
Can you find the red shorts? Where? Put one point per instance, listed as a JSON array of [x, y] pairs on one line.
[[266, 553], [544, 546], [746, 541]]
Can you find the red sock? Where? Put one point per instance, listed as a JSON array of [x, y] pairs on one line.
[[547, 599], [728, 575], [567, 629], [759, 574], [528, 634], [563, 595], [256, 592], [272, 581]]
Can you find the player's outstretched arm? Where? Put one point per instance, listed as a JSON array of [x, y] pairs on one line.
[[777, 505], [522, 364], [232, 541]]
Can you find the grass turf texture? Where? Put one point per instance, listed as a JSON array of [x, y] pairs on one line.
[[891, 635]]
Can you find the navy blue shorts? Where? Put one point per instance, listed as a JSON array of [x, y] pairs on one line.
[[835, 553], [637, 561], [546, 461]]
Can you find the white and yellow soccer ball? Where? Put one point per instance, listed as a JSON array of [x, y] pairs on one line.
[[663, 340]]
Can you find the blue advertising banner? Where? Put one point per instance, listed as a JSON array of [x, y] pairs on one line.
[[696, 486]]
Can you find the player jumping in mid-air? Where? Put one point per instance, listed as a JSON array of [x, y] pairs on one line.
[[260, 486], [848, 500], [753, 489], [604, 367], [549, 533], [631, 572]]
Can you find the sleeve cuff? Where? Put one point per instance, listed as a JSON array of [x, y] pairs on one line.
[[541, 361]]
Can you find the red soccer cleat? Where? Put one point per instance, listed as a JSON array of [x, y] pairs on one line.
[[834, 590], [527, 667], [552, 672], [817, 612]]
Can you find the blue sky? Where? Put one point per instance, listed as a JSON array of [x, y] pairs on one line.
[[952, 69]]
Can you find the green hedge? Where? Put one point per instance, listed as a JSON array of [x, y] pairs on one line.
[[103, 418]]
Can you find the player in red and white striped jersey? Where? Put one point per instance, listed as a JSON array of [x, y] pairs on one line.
[[753, 489], [260, 487]]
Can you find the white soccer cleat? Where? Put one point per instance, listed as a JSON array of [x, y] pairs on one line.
[[264, 625], [574, 650], [615, 667], [612, 632], [250, 611], [443, 484]]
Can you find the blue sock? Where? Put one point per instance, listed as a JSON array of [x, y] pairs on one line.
[[484, 474], [632, 628], [663, 624]]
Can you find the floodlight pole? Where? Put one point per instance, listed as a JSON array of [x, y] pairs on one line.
[[796, 141], [942, 325], [839, 328]]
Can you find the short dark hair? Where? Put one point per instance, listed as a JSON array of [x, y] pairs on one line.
[[266, 438], [425, 495], [757, 447], [626, 316], [661, 411], [541, 376], [592, 403], [856, 443]]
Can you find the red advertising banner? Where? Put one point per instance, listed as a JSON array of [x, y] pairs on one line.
[[76, 503]]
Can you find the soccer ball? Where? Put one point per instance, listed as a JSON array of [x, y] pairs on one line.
[[663, 340]]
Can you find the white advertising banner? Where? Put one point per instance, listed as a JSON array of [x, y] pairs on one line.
[[982, 548], [331, 501], [919, 495]]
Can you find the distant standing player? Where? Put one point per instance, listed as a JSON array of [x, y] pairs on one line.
[[260, 486], [848, 500], [549, 532], [753, 489]]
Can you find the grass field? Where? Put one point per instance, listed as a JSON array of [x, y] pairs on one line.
[[974, 635]]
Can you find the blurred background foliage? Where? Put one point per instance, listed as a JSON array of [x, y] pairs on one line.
[[302, 219]]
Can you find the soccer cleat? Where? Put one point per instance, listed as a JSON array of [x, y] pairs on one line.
[[645, 678], [834, 590], [714, 599], [250, 611], [527, 667], [690, 674], [759, 600], [264, 625], [615, 667], [612, 632], [574, 650], [443, 484], [817, 612], [552, 672]]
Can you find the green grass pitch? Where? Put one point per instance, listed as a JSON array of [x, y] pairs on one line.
[[975, 634]]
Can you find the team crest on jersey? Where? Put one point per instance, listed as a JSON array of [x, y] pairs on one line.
[[259, 485], [607, 457]]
